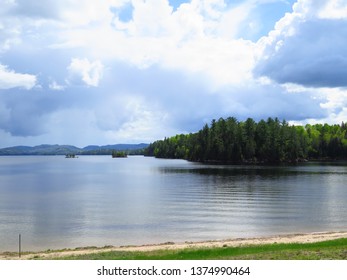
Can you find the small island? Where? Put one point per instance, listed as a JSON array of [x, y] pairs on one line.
[[119, 154], [70, 156]]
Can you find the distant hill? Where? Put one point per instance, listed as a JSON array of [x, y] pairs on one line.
[[108, 149], [68, 149], [122, 147]]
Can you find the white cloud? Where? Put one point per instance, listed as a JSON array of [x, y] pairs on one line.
[[222, 62], [334, 101], [90, 72], [55, 86], [324, 9], [11, 79], [336, 9], [232, 19], [135, 120], [193, 39]]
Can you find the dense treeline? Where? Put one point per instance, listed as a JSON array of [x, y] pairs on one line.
[[267, 141], [100, 152]]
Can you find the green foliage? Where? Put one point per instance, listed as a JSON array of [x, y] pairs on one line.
[[270, 141], [119, 154]]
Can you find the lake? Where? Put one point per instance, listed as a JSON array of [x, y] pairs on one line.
[[54, 202]]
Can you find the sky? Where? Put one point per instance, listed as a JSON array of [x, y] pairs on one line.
[[131, 71]]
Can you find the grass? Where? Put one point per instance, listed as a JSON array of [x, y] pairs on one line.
[[333, 249]]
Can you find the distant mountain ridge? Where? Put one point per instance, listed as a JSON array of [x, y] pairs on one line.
[[45, 149]]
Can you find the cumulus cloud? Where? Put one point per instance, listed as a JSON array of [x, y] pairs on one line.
[[162, 70], [89, 72], [336, 9], [11, 79], [308, 46], [189, 39]]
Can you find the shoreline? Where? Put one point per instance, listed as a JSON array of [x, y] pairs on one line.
[[286, 238]]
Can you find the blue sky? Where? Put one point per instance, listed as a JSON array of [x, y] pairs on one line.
[[130, 71]]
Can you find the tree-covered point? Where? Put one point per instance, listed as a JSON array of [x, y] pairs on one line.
[[119, 154], [267, 141]]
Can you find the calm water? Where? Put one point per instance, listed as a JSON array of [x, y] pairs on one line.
[[96, 200]]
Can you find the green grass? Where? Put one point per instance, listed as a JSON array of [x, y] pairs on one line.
[[334, 250]]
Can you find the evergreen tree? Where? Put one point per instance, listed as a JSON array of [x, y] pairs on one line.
[[272, 141]]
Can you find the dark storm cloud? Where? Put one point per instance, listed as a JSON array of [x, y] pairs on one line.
[[315, 56], [27, 113]]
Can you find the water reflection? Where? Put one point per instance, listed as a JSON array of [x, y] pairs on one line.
[[57, 203]]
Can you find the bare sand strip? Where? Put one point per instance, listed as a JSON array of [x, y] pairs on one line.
[[290, 238]]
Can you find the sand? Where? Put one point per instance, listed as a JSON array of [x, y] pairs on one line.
[[290, 238]]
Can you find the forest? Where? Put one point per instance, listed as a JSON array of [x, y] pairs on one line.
[[267, 141]]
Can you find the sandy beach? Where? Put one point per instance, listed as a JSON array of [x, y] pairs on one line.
[[289, 238]]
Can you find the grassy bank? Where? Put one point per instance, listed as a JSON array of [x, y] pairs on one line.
[[333, 249]]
